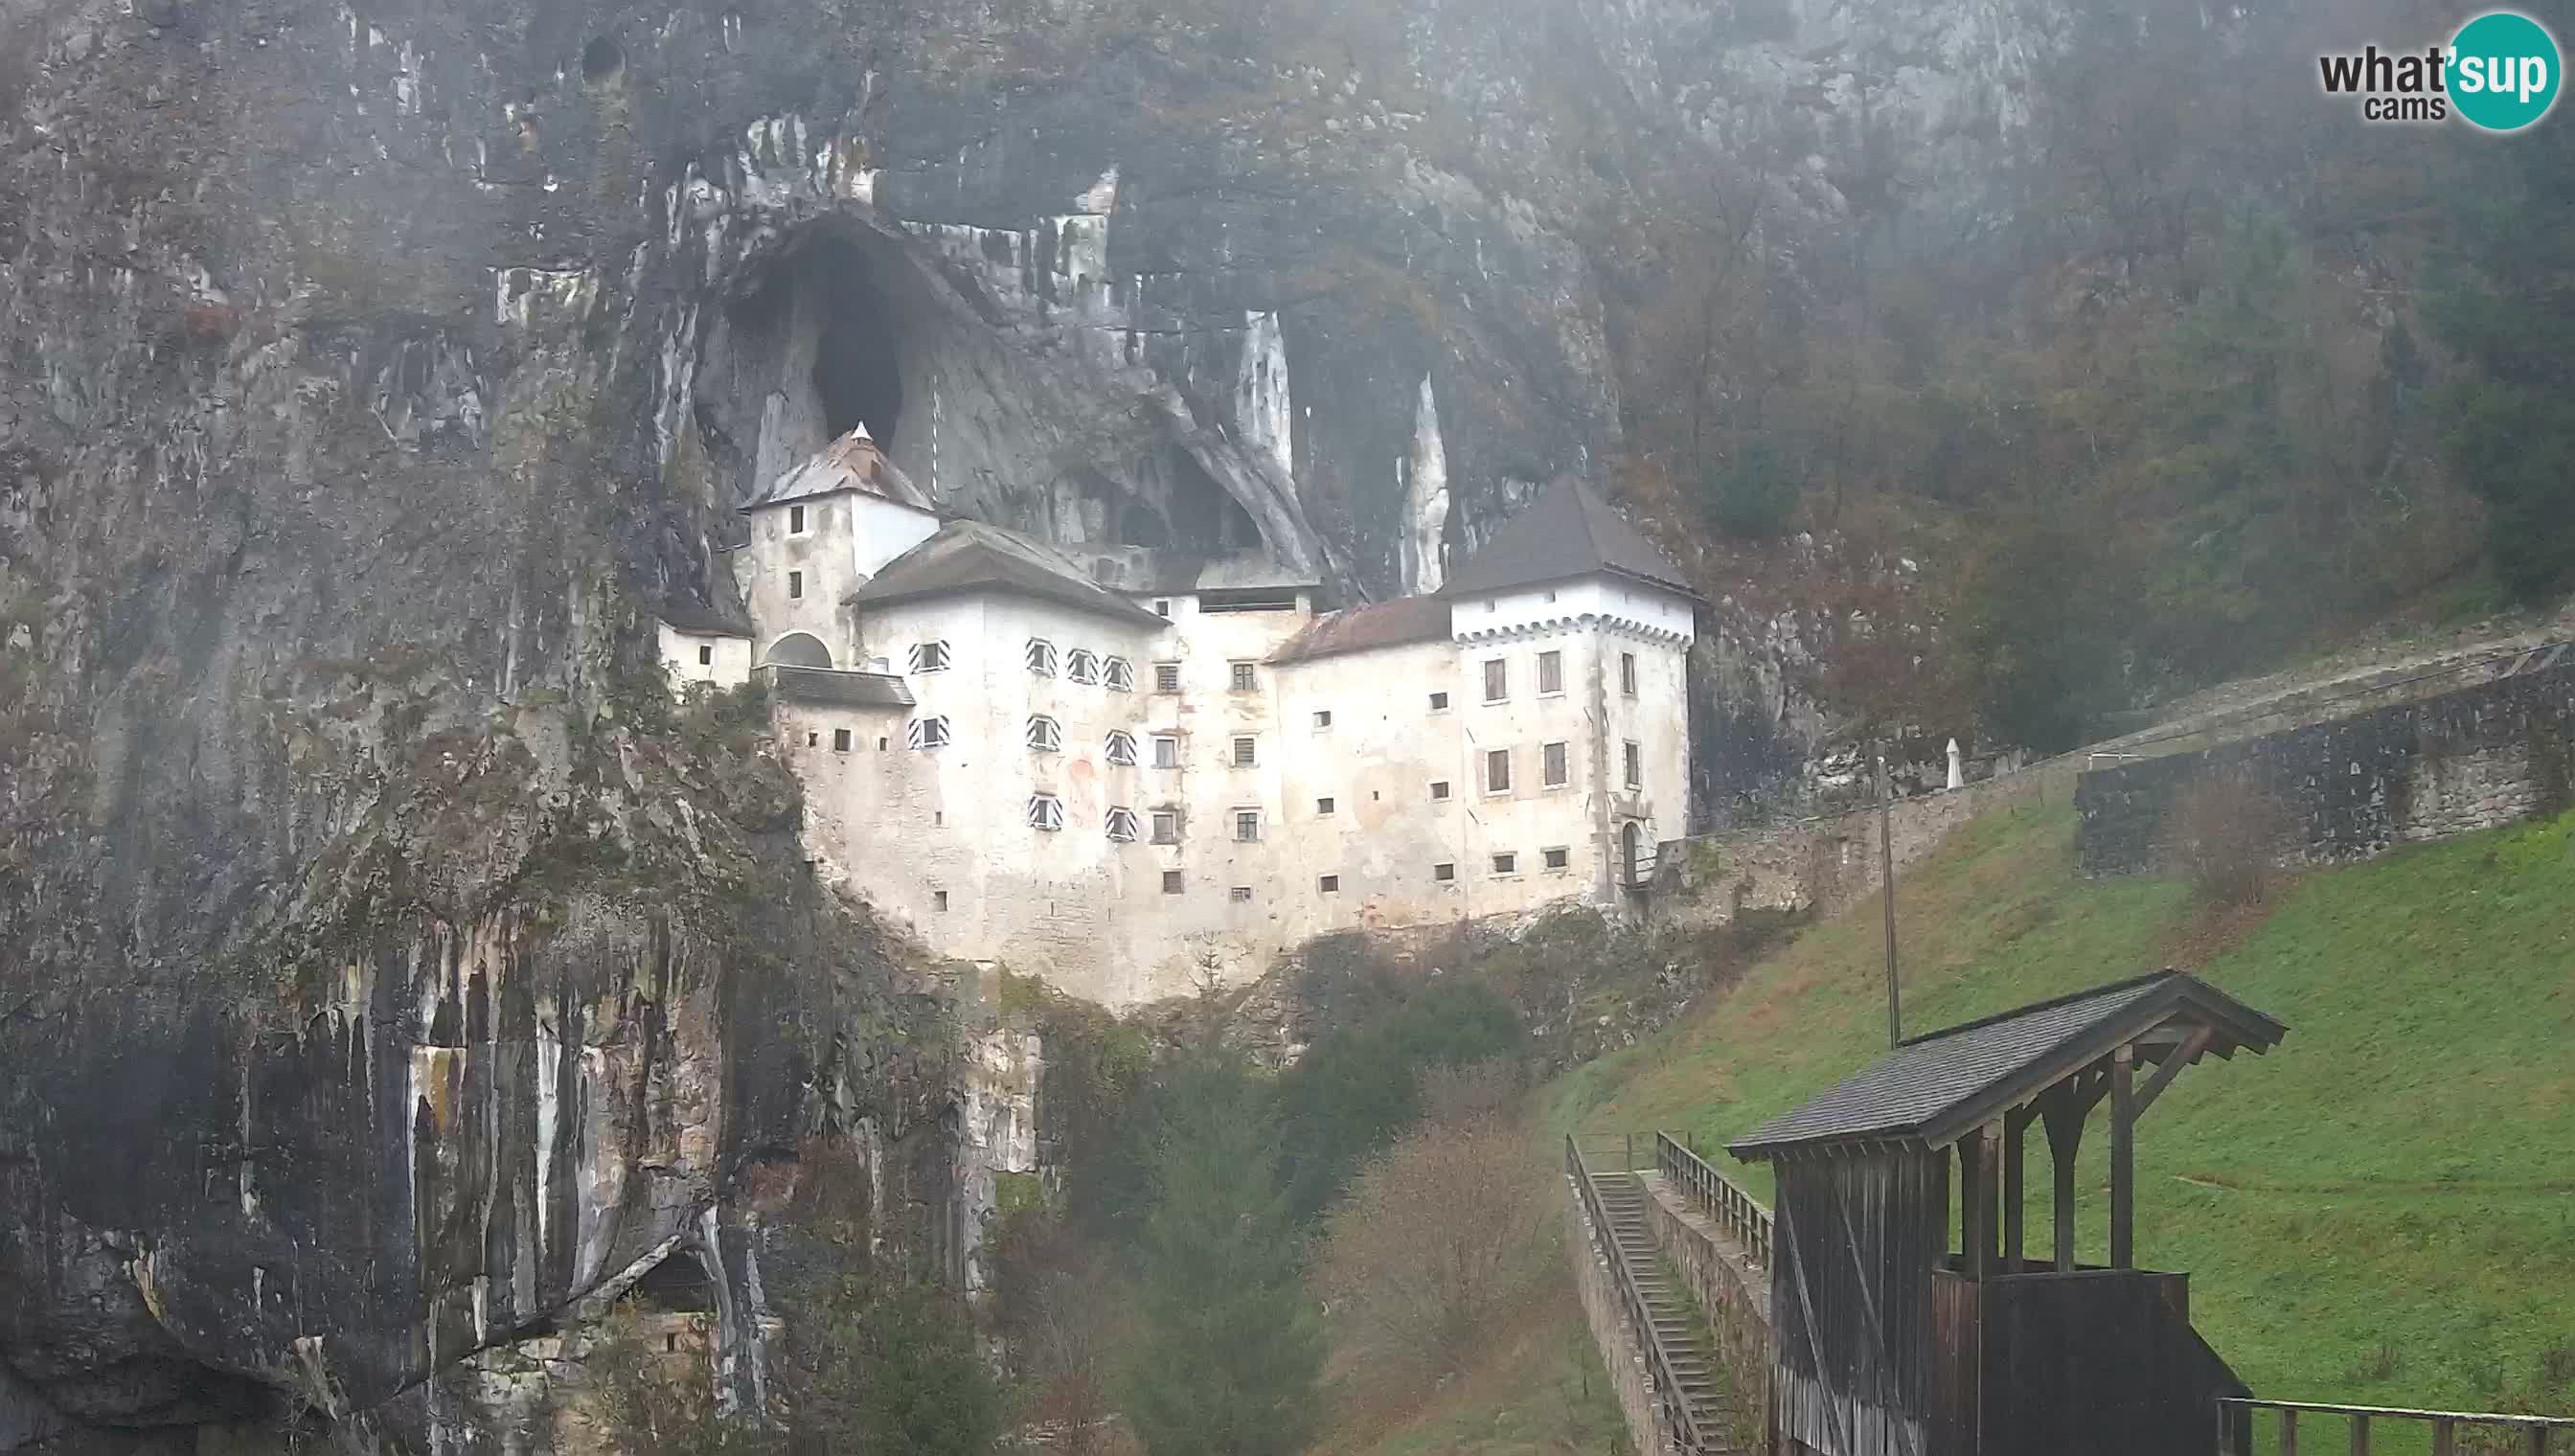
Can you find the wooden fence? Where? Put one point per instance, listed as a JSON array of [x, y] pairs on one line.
[[1722, 1200], [2531, 1433]]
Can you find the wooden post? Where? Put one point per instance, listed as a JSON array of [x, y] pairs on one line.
[[2445, 1438], [2015, 1128], [2288, 1433], [1980, 1259], [1970, 1222], [2064, 1136], [2538, 1441], [1886, 884], [2360, 1436], [2123, 1159]]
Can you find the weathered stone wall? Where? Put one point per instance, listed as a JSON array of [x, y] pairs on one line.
[[1610, 1334], [1732, 1292], [2358, 786]]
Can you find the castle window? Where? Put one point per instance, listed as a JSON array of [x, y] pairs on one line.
[[1551, 673], [1166, 677], [929, 657], [1324, 717], [1122, 677], [705, 654], [812, 741], [1046, 811], [794, 584], [796, 520], [1243, 756], [1498, 771], [1044, 735], [1557, 858], [1122, 826], [1627, 674], [1161, 606], [1323, 807], [1328, 883], [1554, 764], [1166, 751], [881, 742], [1082, 666], [1167, 826], [1242, 894], [1241, 679], [1443, 872], [925, 733], [1170, 881], [1247, 825], [1636, 758], [839, 741], [1438, 788], [1438, 703], [1040, 657], [1498, 679], [1507, 864], [1121, 748], [938, 900]]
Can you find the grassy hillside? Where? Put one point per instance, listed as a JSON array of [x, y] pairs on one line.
[[2382, 1210]]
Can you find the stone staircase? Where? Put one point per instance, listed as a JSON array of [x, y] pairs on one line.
[[1622, 1198]]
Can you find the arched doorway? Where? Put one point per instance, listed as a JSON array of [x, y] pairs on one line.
[[799, 649], [1631, 844]]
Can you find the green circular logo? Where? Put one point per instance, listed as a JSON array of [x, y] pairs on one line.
[[2503, 71]]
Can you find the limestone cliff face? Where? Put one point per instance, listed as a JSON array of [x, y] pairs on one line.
[[385, 965]]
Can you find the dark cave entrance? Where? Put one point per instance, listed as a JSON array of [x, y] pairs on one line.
[[858, 374]]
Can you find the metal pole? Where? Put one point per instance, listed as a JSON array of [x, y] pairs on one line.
[[1886, 887]]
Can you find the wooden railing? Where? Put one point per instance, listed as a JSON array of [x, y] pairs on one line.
[[1718, 1197], [2533, 1431], [1670, 1398]]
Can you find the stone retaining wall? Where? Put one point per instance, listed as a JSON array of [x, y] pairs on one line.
[[1620, 1351], [2470, 760]]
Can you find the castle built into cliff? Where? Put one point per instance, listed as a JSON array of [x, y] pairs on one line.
[[1111, 767]]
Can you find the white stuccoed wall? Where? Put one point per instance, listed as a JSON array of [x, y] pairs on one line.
[[848, 539], [732, 665]]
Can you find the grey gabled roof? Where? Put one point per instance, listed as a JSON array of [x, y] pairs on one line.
[[1936, 1087], [968, 556], [1568, 531], [688, 616], [829, 688], [852, 463]]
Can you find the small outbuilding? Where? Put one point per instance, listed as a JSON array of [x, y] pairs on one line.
[[1890, 1342]]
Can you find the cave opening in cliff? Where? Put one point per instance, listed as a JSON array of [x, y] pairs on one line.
[[677, 1285], [857, 373]]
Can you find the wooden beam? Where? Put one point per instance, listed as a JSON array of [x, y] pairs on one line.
[[2123, 1159], [2064, 1115], [2173, 1063], [1989, 1141], [1971, 1222], [2015, 1160]]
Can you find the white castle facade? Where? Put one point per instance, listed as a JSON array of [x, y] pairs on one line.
[[1118, 768]]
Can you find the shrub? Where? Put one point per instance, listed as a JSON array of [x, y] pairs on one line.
[[2227, 839]]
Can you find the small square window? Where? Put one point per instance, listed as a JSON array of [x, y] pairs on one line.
[[1551, 673], [1443, 872], [1083, 665], [1040, 657], [929, 657], [1438, 788], [938, 900], [706, 655], [1244, 682], [815, 740], [1438, 703], [1557, 858], [1046, 811], [1498, 679], [1636, 762], [1122, 826], [1167, 826], [1322, 718], [1555, 764], [796, 520], [1497, 771], [1506, 864], [1167, 753], [1166, 677], [926, 733], [1551, 595], [1121, 748], [1243, 752], [1322, 806], [1627, 674], [1328, 883], [794, 584], [1170, 881], [1161, 606], [1120, 676], [1242, 894], [1246, 826], [881, 746], [839, 741]]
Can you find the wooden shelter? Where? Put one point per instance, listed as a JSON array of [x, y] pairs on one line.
[[1889, 1342]]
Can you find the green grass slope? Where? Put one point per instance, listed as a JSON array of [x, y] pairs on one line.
[[2382, 1210]]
